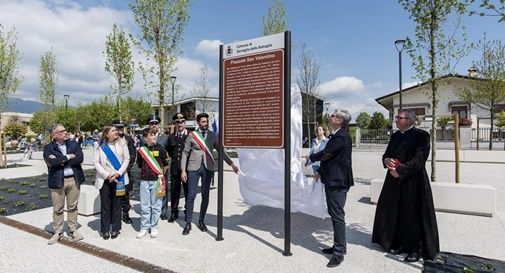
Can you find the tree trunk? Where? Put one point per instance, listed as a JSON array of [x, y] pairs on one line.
[[491, 129]]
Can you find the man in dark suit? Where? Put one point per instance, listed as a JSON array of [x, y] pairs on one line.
[[336, 175], [63, 158], [198, 161], [174, 148], [125, 200], [405, 220]]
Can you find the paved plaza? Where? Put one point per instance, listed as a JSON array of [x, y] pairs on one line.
[[253, 236]]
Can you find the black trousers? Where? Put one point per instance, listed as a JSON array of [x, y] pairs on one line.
[[110, 207], [175, 191], [164, 202], [125, 200], [335, 199]]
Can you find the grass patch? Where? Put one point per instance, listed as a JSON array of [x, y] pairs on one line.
[[22, 192], [3, 211], [11, 189], [43, 196], [19, 203]]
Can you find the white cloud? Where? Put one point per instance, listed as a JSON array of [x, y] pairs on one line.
[[208, 48], [339, 85], [357, 105], [409, 84], [74, 33]]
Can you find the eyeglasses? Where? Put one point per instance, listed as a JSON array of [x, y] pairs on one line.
[[401, 118], [154, 123]]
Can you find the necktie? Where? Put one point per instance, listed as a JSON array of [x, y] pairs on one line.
[[203, 134]]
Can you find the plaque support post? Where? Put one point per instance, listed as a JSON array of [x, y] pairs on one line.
[[220, 151], [287, 144]]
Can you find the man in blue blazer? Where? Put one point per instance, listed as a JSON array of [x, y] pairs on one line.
[[336, 175], [63, 158]]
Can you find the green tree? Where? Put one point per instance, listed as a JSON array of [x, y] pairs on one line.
[[276, 20], [308, 81], [48, 78], [9, 79], [491, 8], [363, 120], [435, 50], [15, 129], [161, 23], [500, 119], [119, 63], [488, 90], [378, 121], [137, 109], [38, 123]]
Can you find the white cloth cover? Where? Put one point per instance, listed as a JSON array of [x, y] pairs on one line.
[[261, 174]]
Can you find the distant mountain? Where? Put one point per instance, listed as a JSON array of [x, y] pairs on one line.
[[23, 106]]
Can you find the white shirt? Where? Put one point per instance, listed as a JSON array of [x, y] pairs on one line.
[[63, 148]]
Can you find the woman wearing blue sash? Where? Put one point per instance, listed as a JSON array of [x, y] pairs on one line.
[[111, 158]]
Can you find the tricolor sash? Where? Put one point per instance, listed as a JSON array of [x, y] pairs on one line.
[[155, 166], [121, 183], [197, 136]]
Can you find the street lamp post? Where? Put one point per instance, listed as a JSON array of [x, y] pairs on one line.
[[66, 107], [400, 44]]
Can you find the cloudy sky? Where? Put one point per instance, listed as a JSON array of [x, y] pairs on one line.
[[352, 39]]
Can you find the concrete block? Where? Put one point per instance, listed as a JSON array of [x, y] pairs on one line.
[[89, 201], [472, 199]]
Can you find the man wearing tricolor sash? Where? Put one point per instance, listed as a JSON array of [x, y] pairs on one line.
[[153, 163], [198, 162]]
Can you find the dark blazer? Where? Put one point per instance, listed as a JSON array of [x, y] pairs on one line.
[[174, 149], [336, 161], [55, 166]]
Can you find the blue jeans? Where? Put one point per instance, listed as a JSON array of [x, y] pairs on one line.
[[150, 205], [164, 203], [193, 177]]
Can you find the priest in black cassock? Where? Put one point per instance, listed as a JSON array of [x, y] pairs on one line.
[[405, 219]]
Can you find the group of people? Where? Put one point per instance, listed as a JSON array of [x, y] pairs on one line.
[[190, 156], [405, 220]]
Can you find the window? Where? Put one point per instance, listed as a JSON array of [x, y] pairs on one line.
[[461, 110]]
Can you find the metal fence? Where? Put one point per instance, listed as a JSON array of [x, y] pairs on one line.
[[371, 138], [484, 134]]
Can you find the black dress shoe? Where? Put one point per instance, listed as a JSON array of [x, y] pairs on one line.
[[187, 228], [106, 235], [163, 217], [202, 226], [397, 251], [114, 234], [126, 218], [412, 257], [328, 250], [335, 260], [173, 217]]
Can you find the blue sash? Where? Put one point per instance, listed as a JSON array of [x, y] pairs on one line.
[[120, 186]]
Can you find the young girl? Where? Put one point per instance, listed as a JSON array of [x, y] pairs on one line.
[[152, 160]]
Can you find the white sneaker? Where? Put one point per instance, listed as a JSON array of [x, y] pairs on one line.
[[55, 238], [154, 233], [142, 233]]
